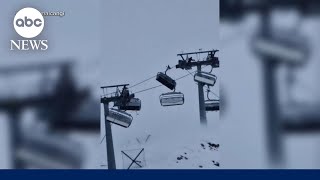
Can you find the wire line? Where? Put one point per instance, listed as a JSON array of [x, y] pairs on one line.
[[142, 82], [148, 89], [215, 94], [103, 138]]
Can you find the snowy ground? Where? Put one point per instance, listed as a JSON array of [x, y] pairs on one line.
[[173, 152]]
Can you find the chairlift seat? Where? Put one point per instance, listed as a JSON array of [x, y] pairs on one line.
[[119, 117], [300, 117], [212, 105], [166, 80], [172, 99], [205, 78]]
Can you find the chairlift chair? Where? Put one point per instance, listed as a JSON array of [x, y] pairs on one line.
[[119, 117], [205, 78], [166, 80], [172, 99], [133, 105], [212, 105]]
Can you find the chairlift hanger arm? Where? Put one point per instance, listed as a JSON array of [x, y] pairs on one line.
[[208, 92], [168, 68]]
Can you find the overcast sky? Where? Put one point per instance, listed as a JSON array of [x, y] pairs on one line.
[[140, 39]]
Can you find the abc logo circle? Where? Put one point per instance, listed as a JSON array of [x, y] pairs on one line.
[[28, 22]]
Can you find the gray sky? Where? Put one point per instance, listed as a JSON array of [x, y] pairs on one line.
[[140, 39]]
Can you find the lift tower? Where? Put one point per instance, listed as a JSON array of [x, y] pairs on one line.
[[188, 63], [117, 97]]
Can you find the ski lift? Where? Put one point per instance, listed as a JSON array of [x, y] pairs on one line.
[[212, 105], [166, 80], [133, 105], [172, 99], [119, 117], [205, 78]]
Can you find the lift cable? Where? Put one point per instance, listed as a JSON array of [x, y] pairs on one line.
[[185, 76], [154, 87], [142, 82], [190, 72], [103, 139], [214, 94]]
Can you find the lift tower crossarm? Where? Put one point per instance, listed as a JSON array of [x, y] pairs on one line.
[[121, 85], [199, 52], [212, 52], [187, 65]]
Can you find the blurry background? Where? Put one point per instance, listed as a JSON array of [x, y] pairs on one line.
[[49, 101], [270, 72]]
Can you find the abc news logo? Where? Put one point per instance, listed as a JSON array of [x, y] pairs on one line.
[[28, 23]]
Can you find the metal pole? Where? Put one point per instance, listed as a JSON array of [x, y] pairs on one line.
[[203, 116], [109, 139], [15, 134], [273, 123]]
